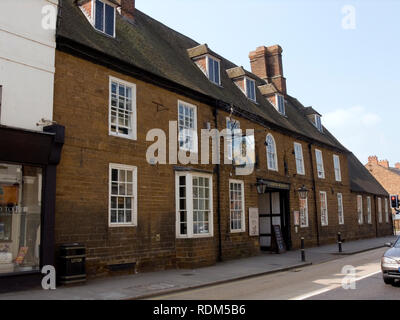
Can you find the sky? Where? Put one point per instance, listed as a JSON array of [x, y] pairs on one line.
[[341, 57]]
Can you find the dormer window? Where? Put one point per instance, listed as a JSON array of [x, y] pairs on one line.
[[280, 104], [250, 89], [104, 18], [318, 123], [213, 67]]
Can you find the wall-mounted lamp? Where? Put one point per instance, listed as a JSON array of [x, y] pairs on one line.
[[303, 192], [261, 187]]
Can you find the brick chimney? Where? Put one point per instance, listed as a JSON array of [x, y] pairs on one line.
[[373, 160], [397, 165], [266, 63], [384, 163], [128, 9]]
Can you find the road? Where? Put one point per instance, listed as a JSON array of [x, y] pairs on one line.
[[321, 281]]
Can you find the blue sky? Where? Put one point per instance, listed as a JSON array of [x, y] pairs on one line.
[[350, 75]]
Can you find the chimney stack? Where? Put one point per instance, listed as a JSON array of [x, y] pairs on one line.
[[397, 165], [384, 163], [128, 9], [373, 160], [266, 63]]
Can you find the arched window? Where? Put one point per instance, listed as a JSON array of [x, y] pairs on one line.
[[272, 159]]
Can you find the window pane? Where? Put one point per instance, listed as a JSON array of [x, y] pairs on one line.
[[99, 23], [109, 28]]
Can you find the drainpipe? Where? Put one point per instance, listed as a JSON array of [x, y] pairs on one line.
[[218, 189], [315, 193]]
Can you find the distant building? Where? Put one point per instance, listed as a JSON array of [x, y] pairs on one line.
[[388, 177]]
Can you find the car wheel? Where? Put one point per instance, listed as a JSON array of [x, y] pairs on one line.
[[388, 281]]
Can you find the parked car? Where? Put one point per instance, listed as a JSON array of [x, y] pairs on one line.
[[390, 262]]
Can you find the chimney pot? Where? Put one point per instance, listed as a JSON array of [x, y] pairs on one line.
[[397, 165], [384, 163], [373, 160]]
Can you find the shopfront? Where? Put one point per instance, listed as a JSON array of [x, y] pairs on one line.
[[28, 163]]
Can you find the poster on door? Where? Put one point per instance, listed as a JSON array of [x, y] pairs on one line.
[[254, 229]]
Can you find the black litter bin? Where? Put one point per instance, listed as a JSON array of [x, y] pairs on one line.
[[71, 263]]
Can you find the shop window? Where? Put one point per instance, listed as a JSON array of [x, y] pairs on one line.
[[20, 218]]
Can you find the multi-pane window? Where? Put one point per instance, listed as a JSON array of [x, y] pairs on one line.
[[194, 205], [336, 165], [104, 18], [380, 210], [280, 102], [340, 208], [187, 126], [250, 89], [236, 197], [360, 210], [303, 213], [324, 208], [369, 210], [318, 123], [231, 125], [123, 195], [386, 211], [213, 66], [122, 108], [272, 160], [320, 164], [298, 154]]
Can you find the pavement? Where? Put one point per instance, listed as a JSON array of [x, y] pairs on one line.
[[146, 285]]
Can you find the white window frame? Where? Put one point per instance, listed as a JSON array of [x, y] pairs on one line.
[[277, 96], [360, 213], [243, 216], [320, 164], [340, 208], [386, 210], [318, 123], [208, 57], [297, 157], [195, 136], [275, 152], [245, 89], [336, 165], [104, 21], [230, 142], [133, 134], [117, 166], [303, 213], [369, 210], [189, 205], [380, 218], [324, 222]]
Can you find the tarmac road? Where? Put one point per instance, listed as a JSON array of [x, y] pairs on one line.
[[321, 281]]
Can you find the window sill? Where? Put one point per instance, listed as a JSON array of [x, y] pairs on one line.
[[198, 236], [237, 231], [121, 225], [133, 138]]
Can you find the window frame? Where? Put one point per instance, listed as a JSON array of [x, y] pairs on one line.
[[245, 89], [133, 135], [275, 153], [306, 225], [380, 216], [318, 123], [215, 60], [337, 169], [360, 212], [340, 209], [317, 151], [369, 210], [242, 200], [195, 135], [230, 142], [302, 171], [118, 166], [386, 210], [277, 96], [189, 205], [323, 224], [104, 17]]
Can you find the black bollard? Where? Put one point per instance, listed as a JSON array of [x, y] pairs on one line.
[[339, 239], [303, 253]]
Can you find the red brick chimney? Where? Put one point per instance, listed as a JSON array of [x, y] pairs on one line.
[[266, 63], [128, 9], [373, 160], [384, 163], [397, 165]]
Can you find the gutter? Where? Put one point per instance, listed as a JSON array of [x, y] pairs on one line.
[[315, 193]]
